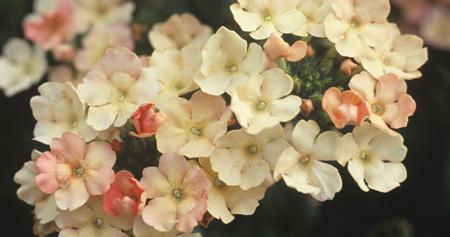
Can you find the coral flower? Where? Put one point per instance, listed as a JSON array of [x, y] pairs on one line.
[[178, 191], [146, 121], [124, 197], [275, 48], [344, 107], [73, 171], [52, 28]]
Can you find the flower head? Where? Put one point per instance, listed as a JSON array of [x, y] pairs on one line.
[[146, 121], [73, 171], [95, 14], [386, 100], [344, 107], [191, 127], [373, 157], [124, 197], [264, 101], [178, 193], [263, 18], [301, 165], [227, 62], [116, 89], [179, 31]]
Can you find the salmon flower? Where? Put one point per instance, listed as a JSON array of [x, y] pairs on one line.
[[124, 197], [146, 121]]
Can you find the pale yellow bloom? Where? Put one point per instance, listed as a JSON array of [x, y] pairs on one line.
[[373, 157], [265, 17], [264, 101], [192, 127], [246, 160], [141, 229], [302, 164], [228, 62], [315, 12]]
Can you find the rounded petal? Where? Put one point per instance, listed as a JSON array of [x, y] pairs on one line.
[[102, 117], [73, 196], [174, 167], [304, 136], [161, 213], [155, 183], [327, 178]]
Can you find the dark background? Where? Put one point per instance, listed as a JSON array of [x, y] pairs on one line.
[[419, 207]]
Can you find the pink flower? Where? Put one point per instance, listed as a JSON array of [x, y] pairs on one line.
[[344, 107], [73, 171], [146, 121], [348, 66], [124, 197], [276, 48], [178, 191], [52, 28], [386, 100]]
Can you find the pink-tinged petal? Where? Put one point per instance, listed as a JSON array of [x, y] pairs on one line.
[[109, 201], [298, 51], [146, 120], [364, 85], [99, 155], [174, 167], [124, 196], [70, 148], [98, 181], [161, 213], [330, 102], [190, 212], [46, 173], [275, 48], [155, 183], [121, 60], [347, 67], [195, 183], [389, 88], [73, 196], [379, 123], [406, 106]]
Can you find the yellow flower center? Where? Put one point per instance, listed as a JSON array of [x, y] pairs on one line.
[[304, 159], [378, 109], [261, 106], [233, 68], [268, 18], [121, 98], [196, 131], [75, 124], [98, 222], [364, 156], [252, 149], [79, 171], [177, 194]]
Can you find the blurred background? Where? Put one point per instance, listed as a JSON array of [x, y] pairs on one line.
[[420, 207]]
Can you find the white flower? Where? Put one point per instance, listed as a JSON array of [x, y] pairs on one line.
[[301, 165], [115, 90], [246, 160], [356, 25], [264, 101], [315, 12], [227, 62], [191, 127], [141, 229], [373, 157], [224, 200], [265, 17], [173, 71], [179, 31], [57, 110], [403, 55], [21, 66]]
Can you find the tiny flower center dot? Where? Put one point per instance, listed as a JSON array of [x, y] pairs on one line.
[[378, 109], [79, 171], [74, 124], [364, 156], [233, 68], [261, 106], [268, 18], [121, 98], [253, 149], [177, 194], [98, 222], [304, 159], [196, 131]]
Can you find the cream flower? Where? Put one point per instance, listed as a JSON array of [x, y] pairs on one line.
[[115, 90], [228, 62], [91, 220], [179, 31], [140, 229], [98, 40], [403, 56], [224, 200], [374, 158], [301, 165], [57, 110], [246, 160], [356, 25], [264, 101], [386, 100], [21, 66], [315, 12], [191, 127], [73, 171], [263, 18], [173, 71], [103, 13], [178, 191]]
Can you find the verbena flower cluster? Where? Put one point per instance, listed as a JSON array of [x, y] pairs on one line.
[[155, 145]]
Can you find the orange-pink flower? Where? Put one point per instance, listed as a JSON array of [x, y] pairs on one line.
[[124, 197], [52, 28], [146, 121], [74, 171], [276, 48], [344, 107]]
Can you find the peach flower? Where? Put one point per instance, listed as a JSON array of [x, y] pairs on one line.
[[386, 100], [347, 67], [344, 107], [178, 193], [52, 28], [146, 121], [73, 171], [276, 48], [124, 197]]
